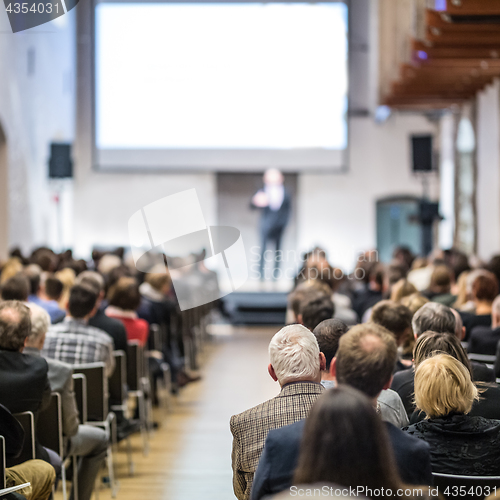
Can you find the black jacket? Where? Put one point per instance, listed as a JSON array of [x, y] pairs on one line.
[[484, 340], [461, 444], [113, 327], [24, 386], [274, 221], [281, 451]]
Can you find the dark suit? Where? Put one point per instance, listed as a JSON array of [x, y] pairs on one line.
[[272, 225], [484, 340], [470, 321], [13, 433], [113, 327], [281, 451]]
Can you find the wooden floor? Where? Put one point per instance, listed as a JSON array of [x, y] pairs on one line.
[[190, 455]]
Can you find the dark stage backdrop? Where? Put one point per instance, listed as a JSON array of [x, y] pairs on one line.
[[234, 192]]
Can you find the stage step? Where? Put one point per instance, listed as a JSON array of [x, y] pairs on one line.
[[256, 308]]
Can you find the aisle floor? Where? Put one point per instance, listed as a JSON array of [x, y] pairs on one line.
[[190, 455]]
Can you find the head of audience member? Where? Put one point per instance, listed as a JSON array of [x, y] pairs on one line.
[[434, 317], [365, 359], [328, 334], [484, 292], [45, 258], [124, 294], [401, 289], [52, 288], [16, 288], [303, 292], [345, 442], [15, 325], [495, 312], [459, 325], [494, 266], [404, 256], [414, 302], [108, 262], [34, 274], [82, 303], [394, 317], [443, 385], [161, 282], [315, 309], [376, 279], [395, 273], [295, 356], [441, 279], [95, 281], [40, 323], [431, 343], [10, 269]]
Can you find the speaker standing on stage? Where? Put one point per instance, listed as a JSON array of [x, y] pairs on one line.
[[274, 201]]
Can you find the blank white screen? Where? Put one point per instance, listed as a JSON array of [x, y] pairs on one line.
[[220, 77]]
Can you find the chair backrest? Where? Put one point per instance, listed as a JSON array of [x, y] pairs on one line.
[[135, 365], [465, 487], [49, 425], [155, 336], [482, 358], [80, 388], [2, 463], [118, 381], [27, 421], [97, 390]]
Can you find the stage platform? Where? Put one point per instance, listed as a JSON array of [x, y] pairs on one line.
[[256, 308]]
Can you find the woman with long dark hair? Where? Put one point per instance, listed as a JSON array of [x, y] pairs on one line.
[[345, 443]]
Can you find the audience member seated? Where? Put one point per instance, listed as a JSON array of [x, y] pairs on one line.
[[483, 339], [16, 288], [328, 334], [429, 343], [49, 295], [440, 287], [437, 318], [397, 319], [124, 298], [460, 444], [296, 364], [87, 442], [373, 292], [75, 342], [484, 292], [401, 289], [301, 294], [39, 473], [365, 360], [344, 442], [315, 309], [24, 384], [113, 327]]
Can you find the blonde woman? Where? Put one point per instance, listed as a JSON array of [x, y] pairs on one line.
[[460, 444]]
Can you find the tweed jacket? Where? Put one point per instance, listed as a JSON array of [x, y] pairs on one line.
[[250, 429]]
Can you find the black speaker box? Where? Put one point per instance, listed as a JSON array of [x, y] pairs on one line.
[[421, 152], [60, 163]]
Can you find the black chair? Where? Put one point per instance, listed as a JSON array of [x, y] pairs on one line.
[[3, 484], [158, 337], [465, 487], [49, 429], [118, 393], [98, 413], [2, 463], [80, 388], [27, 421], [138, 385]]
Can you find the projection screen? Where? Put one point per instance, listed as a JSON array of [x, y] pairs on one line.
[[220, 86]]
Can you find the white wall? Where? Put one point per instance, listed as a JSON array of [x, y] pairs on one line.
[[488, 171], [338, 212], [36, 107]]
